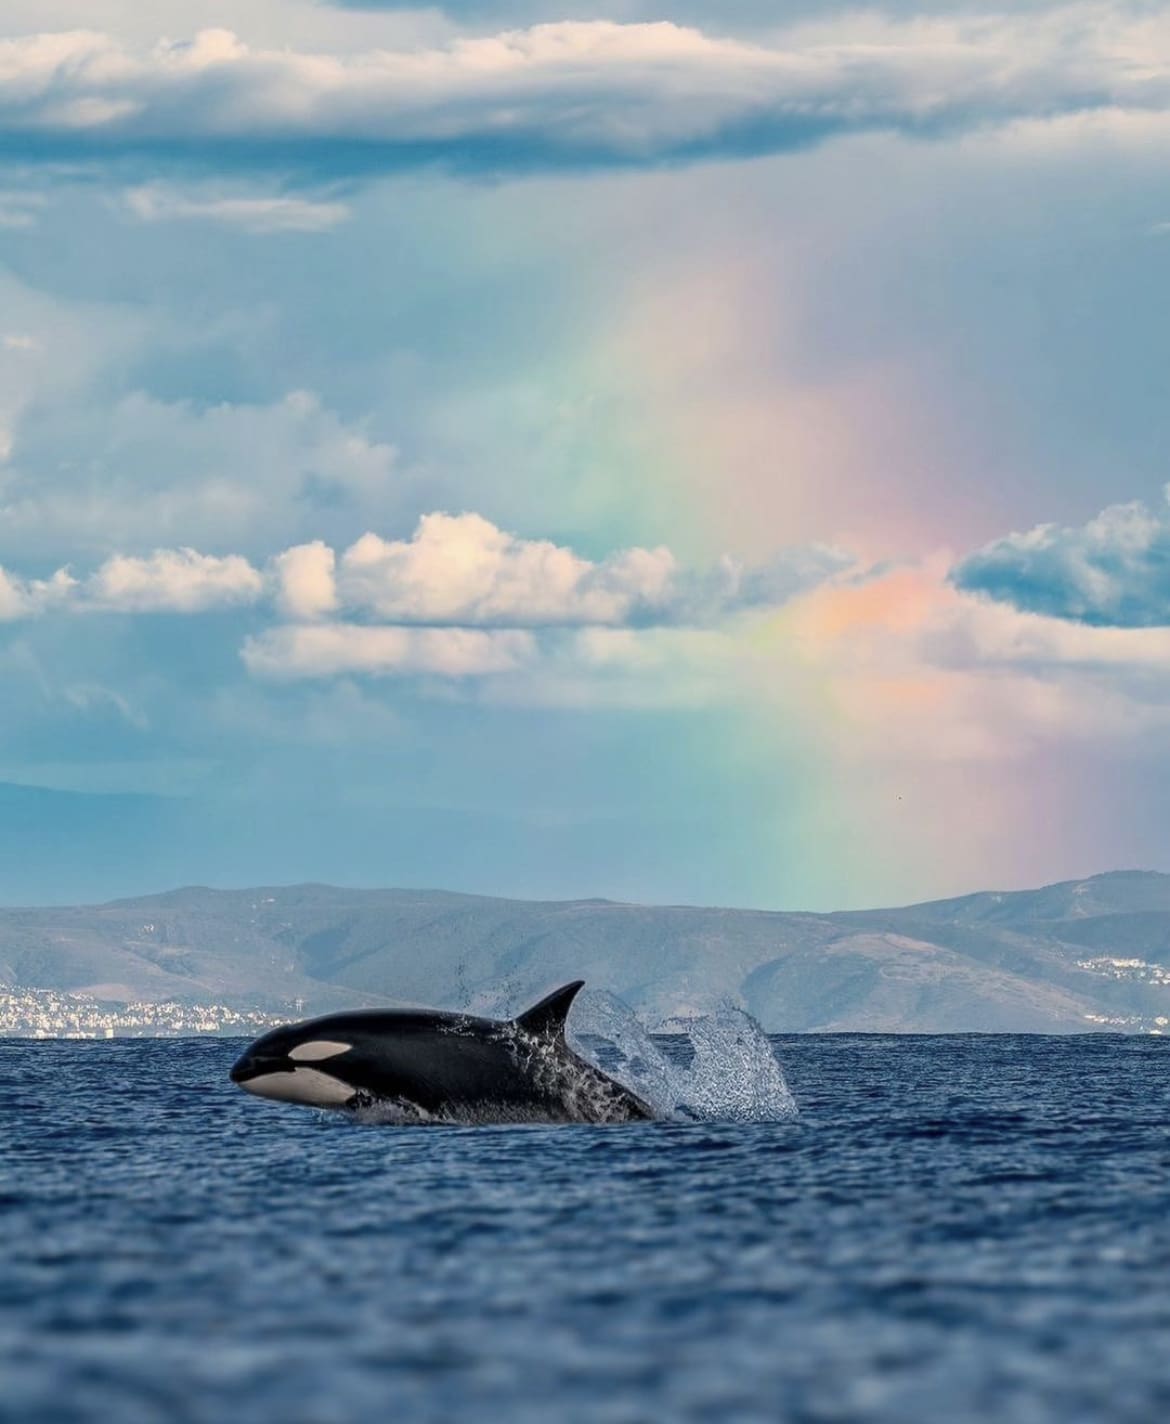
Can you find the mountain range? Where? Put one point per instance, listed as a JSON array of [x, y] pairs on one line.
[[1083, 955]]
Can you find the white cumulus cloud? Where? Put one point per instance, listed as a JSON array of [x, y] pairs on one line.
[[463, 569], [25, 598], [173, 581], [306, 588]]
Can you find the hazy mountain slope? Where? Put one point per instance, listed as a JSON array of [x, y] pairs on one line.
[[1082, 955]]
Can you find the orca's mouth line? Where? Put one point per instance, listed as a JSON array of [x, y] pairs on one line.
[[255, 1065]]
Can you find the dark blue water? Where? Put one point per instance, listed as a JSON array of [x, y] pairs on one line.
[[954, 1228]]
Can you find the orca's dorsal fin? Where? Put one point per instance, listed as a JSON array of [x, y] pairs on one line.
[[547, 1019]]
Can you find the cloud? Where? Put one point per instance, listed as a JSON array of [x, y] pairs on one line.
[[642, 669], [973, 634], [633, 630], [1113, 572], [137, 472], [463, 569], [733, 586], [88, 697], [158, 202], [173, 581], [568, 94], [919, 608], [337, 649], [915, 668], [51, 350], [457, 571], [166, 581], [25, 598], [306, 588], [462, 600]]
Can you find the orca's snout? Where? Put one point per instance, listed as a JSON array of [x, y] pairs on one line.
[[256, 1065]]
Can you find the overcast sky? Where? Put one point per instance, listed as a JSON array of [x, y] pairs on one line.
[[591, 450]]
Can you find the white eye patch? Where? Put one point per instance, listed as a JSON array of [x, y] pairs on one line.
[[318, 1049]]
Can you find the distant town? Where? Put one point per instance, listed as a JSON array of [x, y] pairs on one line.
[[47, 1013], [1137, 970]]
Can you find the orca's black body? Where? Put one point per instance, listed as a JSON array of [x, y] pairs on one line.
[[445, 1067]]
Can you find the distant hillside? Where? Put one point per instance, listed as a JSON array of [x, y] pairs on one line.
[[1085, 955]]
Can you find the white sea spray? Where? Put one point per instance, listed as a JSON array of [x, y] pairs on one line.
[[732, 1075]]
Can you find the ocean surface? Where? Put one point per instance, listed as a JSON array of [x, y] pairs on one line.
[[958, 1228]]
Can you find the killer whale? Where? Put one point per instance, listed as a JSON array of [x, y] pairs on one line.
[[421, 1065]]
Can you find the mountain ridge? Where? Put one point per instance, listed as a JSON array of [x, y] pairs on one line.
[[1078, 955]]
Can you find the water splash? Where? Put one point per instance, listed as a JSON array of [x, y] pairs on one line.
[[388, 1112], [607, 1033], [732, 1074]]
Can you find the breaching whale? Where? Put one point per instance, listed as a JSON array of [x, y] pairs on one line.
[[418, 1065]]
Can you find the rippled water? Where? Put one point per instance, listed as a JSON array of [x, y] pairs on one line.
[[953, 1228]]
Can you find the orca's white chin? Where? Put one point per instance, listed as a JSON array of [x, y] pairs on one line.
[[307, 1086]]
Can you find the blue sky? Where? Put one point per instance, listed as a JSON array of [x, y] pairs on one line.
[[620, 452]]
